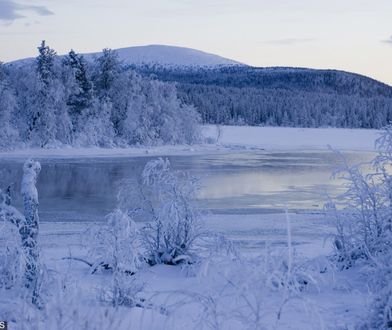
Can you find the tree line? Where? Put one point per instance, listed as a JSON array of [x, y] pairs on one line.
[[280, 96], [55, 100]]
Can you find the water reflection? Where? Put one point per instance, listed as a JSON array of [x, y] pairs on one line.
[[85, 189]]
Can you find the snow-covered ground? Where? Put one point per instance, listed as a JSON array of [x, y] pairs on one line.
[[202, 297], [230, 138], [289, 138], [226, 290]]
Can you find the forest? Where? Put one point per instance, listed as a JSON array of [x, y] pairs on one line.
[[296, 97], [51, 101]]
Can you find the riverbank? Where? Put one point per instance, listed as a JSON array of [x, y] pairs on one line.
[[226, 138]]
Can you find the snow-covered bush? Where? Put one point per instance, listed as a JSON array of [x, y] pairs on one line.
[[363, 212], [164, 198], [116, 247], [242, 292], [11, 254], [364, 227], [381, 306], [11, 258], [117, 244], [24, 246], [65, 308]]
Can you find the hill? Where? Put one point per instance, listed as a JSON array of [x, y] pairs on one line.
[[280, 96]]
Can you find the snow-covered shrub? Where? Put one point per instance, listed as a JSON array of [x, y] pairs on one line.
[[117, 243], [116, 247], [364, 228], [364, 223], [242, 292], [381, 307], [165, 199], [11, 254], [11, 258], [66, 309], [27, 227]]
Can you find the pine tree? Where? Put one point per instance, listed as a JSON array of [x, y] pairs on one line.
[[81, 95], [45, 63], [108, 68], [46, 97]]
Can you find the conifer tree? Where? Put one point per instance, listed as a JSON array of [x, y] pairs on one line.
[[45, 63], [108, 68], [81, 95]]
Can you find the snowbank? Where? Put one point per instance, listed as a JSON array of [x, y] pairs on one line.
[[284, 138], [232, 138]]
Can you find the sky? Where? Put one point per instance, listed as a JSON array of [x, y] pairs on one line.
[[351, 35]]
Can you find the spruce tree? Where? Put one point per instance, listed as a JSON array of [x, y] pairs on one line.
[[108, 68], [42, 119], [81, 95], [45, 63]]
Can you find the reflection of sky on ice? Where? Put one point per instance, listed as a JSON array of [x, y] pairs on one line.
[[80, 190], [301, 180]]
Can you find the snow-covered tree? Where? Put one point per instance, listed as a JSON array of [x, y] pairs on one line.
[[8, 133], [47, 102], [107, 70], [157, 116], [97, 128], [29, 228], [45, 63], [80, 96]]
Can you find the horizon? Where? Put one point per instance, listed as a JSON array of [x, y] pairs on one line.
[[337, 36], [206, 52]]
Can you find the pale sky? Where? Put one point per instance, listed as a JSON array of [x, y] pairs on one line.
[[352, 35]]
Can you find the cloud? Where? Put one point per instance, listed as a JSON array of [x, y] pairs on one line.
[[11, 10], [388, 41], [289, 41]]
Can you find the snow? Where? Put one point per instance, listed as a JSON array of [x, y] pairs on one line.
[[337, 300], [169, 56], [164, 55], [289, 138], [233, 138]]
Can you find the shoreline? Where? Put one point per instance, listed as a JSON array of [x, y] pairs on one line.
[[232, 139]]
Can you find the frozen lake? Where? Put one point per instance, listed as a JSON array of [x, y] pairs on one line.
[[239, 182]]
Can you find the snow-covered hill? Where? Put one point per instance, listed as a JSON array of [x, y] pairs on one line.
[[161, 55], [169, 56]]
